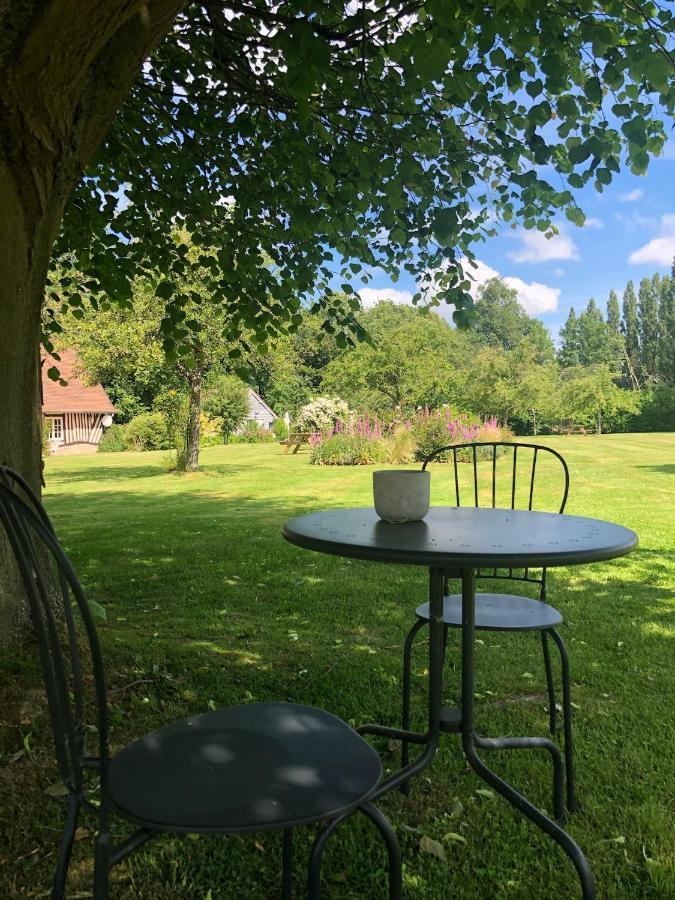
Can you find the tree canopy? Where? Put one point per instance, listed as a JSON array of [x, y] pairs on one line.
[[500, 319], [308, 141]]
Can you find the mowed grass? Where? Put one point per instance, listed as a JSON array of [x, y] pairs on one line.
[[208, 606]]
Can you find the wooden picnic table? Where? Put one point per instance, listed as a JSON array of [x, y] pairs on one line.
[[295, 439]]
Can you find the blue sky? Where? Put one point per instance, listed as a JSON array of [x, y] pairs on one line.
[[630, 233]]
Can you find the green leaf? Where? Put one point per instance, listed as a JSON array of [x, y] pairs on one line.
[[432, 61], [455, 837], [444, 224], [576, 215], [164, 290], [534, 88], [593, 89], [97, 611]]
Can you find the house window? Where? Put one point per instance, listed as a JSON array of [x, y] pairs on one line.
[[55, 432]]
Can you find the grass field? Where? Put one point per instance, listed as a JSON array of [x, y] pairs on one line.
[[207, 605]]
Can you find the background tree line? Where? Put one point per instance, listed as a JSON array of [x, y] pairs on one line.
[[609, 373]]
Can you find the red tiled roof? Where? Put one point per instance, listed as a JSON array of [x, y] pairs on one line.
[[75, 396]]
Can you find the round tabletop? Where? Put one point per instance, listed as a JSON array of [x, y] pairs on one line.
[[469, 537]]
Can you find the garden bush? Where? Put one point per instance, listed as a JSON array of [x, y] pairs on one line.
[[322, 414], [148, 432], [210, 431], [657, 411], [348, 450], [113, 440], [226, 398], [439, 428], [400, 445], [280, 430], [252, 433], [364, 440]]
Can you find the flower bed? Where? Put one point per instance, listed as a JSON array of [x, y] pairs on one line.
[[366, 440]]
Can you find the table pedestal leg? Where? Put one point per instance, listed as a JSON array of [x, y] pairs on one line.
[[470, 740]]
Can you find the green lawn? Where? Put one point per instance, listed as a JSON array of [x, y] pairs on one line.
[[208, 605]]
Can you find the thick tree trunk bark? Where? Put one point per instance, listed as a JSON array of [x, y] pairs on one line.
[[65, 69], [26, 239], [193, 425]]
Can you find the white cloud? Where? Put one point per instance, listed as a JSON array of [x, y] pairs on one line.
[[533, 296], [371, 296], [536, 247], [593, 222], [632, 196], [635, 221], [661, 249]]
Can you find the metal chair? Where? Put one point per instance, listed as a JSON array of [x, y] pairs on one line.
[[253, 767], [505, 612]]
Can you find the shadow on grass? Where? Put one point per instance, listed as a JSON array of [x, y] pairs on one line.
[[64, 476], [666, 468]]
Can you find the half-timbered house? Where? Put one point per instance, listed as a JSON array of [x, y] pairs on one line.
[[76, 413]]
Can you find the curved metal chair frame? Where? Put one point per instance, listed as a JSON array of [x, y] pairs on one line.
[[51, 584], [487, 605]]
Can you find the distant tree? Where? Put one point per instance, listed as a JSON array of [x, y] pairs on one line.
[[500, 320], [120, 345], [414, 359], [226, 398], [589, 394], [512, 384], [648, 320], [666, 355], [613, 313], [598, 345], [631, 333], [291, 371], [568, 355]]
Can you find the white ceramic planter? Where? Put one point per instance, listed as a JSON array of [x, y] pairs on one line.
[[401, 495]]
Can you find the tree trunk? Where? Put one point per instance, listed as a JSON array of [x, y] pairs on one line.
[[26, 238], [193, 425], [599, 428], [64, 73]]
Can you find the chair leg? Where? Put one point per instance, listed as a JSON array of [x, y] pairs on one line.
[[393, 849], [59, 883], [314, 869], [393, 852], [550, 684], [101, 865], [567, 720], [287, 865], [405, 718]]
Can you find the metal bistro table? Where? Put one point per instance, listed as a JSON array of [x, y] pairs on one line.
[[453, 542]]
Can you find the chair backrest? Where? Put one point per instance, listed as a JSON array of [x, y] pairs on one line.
[[54, 594], [467, 458]]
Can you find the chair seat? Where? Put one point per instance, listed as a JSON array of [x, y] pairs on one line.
[[499, 612], [252, 767]]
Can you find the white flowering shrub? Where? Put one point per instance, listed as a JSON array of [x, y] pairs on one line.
[[322, 413]]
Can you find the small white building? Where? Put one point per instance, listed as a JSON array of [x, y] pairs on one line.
[[259, 411]]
